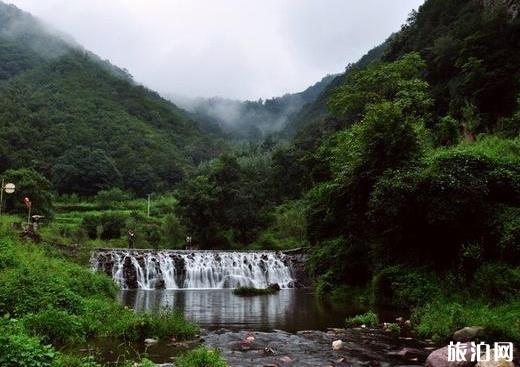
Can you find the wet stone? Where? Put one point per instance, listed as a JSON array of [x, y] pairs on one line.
[[313, 348]]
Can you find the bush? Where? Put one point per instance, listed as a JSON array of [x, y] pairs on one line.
[[342, 261], [90, 224], [443, 316], [508, 223], [123, 323], [497, 282], [368, 319], [201, 357], [63, 302], [55, 326], [112, 225], [398, 286], [173, 231], [17, 349], [393, 327], [447, 203], [252, 291], [287, 229]]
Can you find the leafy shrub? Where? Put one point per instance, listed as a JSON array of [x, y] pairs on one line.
[[368, 319], [17, 349], [340, 261], [55, 326], [508, 223], [25, 290], [287, 229], [449, 202], [441, 317], [497, 282], [394, 328], [90, 225], [102, 318], [201, 357], [112, 225], [173, 231], [398, 286], [63, 302]]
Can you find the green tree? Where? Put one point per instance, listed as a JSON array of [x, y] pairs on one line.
[[85, 172], [31, 184]]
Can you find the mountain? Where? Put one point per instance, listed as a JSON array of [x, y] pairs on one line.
[[316, 110], [472, 58], [83, 122], [252, 120]]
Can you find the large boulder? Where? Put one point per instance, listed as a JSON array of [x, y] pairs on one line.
[[468, 333], [500, 362], [439, 358]]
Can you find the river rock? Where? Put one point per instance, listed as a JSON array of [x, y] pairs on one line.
[[501, 362], [268, 351], [406, 353], [286, 359], [439, 358], [150, 341], [337, 344], [468, 333]]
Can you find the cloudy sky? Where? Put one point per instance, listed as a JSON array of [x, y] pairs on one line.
[[245, 49]]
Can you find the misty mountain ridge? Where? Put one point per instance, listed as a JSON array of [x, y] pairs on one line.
[[84, 123], [251, 120]]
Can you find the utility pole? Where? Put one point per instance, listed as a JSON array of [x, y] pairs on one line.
[[149, 204]]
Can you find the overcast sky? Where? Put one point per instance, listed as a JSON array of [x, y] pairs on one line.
[[245, 49]]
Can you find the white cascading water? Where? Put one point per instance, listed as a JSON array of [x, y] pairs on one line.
[[195, 269]]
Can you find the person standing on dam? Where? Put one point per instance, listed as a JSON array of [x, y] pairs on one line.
[[131, 238]]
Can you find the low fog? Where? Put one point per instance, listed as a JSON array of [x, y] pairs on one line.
[[227, 48]]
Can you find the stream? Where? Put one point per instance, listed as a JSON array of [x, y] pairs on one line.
[[291, 328]]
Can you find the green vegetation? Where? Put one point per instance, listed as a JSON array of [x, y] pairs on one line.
[[201, 357], [82, 122], [402, 180], [48, 301], [252, 291], [255, 120], [368, 319]]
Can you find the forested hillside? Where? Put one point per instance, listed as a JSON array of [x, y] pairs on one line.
[[316, 110], [254, 120], [82, 122], [407, 189]]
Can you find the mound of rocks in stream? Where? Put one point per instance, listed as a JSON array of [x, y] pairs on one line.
[[359, 347]]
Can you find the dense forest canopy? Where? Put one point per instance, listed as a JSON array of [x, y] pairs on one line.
[[415, 163], [83, 123], [400, 178]]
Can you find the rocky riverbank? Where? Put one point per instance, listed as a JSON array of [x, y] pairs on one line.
[[359, 347]]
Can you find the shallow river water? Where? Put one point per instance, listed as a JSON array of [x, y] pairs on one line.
[[289, 310], [291, 328]]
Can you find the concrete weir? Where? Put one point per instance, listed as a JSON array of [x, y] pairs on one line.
[[200, 269]]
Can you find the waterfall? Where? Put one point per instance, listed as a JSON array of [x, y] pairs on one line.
[[194, 269]]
